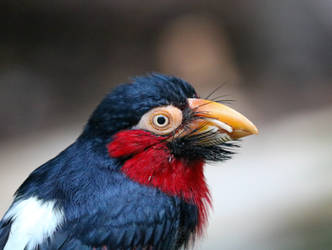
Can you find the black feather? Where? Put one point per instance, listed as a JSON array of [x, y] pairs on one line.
[[5, 226]]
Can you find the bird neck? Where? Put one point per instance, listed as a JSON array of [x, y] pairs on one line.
[[148, 161]]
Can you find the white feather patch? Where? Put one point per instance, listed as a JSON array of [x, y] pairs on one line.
[[33, 222]]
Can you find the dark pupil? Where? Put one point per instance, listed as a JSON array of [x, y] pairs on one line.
[[161, 120]]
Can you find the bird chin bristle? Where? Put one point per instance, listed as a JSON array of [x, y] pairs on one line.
[[219, 137], [224, 137], [220, 134]]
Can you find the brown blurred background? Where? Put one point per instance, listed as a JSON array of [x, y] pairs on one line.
[[58, 59]]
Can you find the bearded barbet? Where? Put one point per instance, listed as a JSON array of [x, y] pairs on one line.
[[133, 179]]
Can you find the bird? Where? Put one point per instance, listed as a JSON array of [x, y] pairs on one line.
[[134, 178]]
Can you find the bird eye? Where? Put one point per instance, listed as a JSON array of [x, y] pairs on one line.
[[160, 120]]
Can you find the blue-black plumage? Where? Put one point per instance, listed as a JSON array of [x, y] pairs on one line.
[[82, 199]]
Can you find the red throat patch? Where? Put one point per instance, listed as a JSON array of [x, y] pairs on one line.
[[151, 163]]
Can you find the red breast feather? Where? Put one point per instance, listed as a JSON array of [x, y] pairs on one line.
[[151, 163]]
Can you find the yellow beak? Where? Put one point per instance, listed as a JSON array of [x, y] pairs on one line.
[[222, 117]]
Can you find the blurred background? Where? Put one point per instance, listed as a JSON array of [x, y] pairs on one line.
[[59, 58]]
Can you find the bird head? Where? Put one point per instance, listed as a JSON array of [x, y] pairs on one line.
[[162, 133]]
